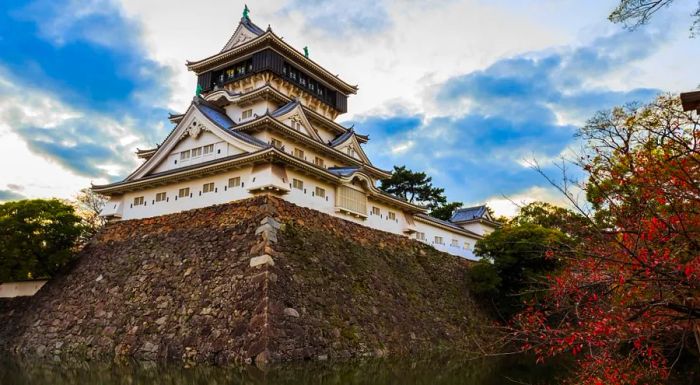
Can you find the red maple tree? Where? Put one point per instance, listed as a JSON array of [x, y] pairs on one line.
[[627, 302]]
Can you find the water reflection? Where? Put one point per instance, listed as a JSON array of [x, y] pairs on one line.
[[433, 371]]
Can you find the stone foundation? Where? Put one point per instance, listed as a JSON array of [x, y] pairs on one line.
[[260, 280]]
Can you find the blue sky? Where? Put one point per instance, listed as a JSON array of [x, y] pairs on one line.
[[466, 90]]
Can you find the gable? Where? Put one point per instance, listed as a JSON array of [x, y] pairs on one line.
[[195, 130], [242, 35], [356, 152], [206, 147], [293, 116]]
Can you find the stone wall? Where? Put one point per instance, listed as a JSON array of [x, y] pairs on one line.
[[256, 280]]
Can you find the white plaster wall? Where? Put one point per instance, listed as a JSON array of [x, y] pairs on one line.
[[305, 198], [459, 250], [173, 204], [221, 149], [326, 135], [382, 221], [234, 111], [478, 228], [20, 289]]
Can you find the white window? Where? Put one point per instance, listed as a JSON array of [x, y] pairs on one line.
[[183, 192], [276, 143], [392, 216], [420, 236], [455, 243], [208, 187], [350, 151], [467, 246], [197, 152], [296, 125], [160, 197], [351, 199], [297, 184], [138, 201], [185, 155], [234, 182], [375, 210], [318, 162], [320, 192], [299, 153], [247, 114], [208, 149], [439, 240]]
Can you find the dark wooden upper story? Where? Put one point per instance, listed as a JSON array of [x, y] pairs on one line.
[[272, 61]]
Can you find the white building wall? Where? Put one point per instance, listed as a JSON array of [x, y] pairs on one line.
[[478, 228], [464, 247], [305, 197], [196, 199], [235, 111], [221, 149], [325, 135], [383, 221]]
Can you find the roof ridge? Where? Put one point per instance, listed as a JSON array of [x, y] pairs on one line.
[[286, 108]]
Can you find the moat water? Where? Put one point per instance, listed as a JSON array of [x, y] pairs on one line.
[[433, 371]]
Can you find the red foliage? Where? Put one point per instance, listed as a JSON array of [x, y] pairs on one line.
[[628, 299]]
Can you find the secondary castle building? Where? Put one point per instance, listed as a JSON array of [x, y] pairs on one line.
[[263, 122]]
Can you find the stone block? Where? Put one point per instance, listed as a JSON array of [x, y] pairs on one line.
[[262, 260]]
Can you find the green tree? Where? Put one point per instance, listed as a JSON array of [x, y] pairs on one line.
[[37, 238], [551, 217], [445, 211], [417, 187], [516, 257]]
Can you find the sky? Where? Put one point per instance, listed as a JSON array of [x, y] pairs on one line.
[[469, 91]]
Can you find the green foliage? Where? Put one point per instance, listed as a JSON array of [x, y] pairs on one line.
[[445, 211], [37, 238], [551, 217], [484, 278], [417, 187], [516, 257]]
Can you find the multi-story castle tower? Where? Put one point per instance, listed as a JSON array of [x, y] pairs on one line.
[[263, 122]]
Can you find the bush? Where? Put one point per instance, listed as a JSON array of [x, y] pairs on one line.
[[37, 238]]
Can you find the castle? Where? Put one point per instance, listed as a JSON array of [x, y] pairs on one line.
[[263, 122]]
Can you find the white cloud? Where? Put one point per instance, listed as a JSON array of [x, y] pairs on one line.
[[508, 206], [40, 175]]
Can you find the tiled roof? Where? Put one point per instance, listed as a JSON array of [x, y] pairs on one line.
[[447, 223], [469, 213], [345, 135], [250, 26], [285, 108], [341, 138], [342, 171], [219, 117]]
